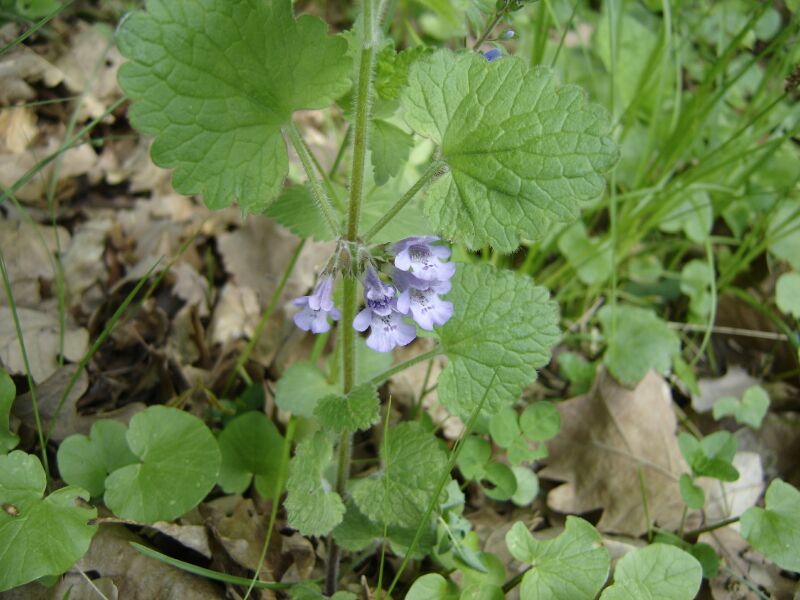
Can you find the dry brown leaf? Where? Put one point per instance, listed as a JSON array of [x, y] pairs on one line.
[[236, 315], [745, 568], [74, 162], [17, 129], [607, 438], [21, 67], [48, 397], [83, 262], [92, 62], [724, 500], [138, 577], [191, 536], [256, 256], [41, 334], [29, 252], [191, 287]]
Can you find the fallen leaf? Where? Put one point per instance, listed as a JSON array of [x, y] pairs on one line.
[[20, 68], [190, 536], [83, 262], [29, 252], [138, 577], [235, 316], [40, 332], [608, 437], [17, 129], [48, 396], [731, 499]]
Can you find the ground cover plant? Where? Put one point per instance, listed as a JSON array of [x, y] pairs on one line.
[[416, 299]]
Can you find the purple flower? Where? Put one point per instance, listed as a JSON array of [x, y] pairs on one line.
[[377, 295], [423, 259], [508, 34], [386, 331], [493, 54], [317, 308], [421, 298]]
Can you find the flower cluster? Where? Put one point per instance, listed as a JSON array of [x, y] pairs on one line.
[[421, 273]]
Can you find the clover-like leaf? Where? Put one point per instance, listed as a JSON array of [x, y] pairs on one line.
[[775, 530], [313, 508], [572, 566], [638, 341], [87, 461], [656, 571], [540, 421], [712, 456], [750, 410], [523, 151], [501, 331], [692, 494], [250, 446], [39, 536], [356, 411], [401, 491], [179, 462], [215, 80], [433, 587], [8, 391]]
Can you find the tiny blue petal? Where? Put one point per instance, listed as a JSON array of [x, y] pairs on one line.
[[493, 54]]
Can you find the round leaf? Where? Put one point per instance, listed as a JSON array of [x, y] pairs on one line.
[[180, 461], [38, 536], [527, 486], [499, 482], [657, 571], [87, 461], [8, 392], [775, 530], [540, 421], [250, 445]]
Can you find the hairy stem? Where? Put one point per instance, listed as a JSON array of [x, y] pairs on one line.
[[360, 133], [317, 190], [429, 174], [490, 27]]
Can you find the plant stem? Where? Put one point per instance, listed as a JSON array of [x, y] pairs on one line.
[[718, 525], [489, 28], [361, 131], [317, 191], [429, 174], [433, 353], [514, 581]]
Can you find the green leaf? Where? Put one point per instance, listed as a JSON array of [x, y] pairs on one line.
[[357, 411], [433, 587], [300, 387], [36, 9], [312, 508], [655, 572], [413, 462], [775, 530], [579, 371], [637, 342], [502, 330], [749, 411], [389, 147], [87, 461], [572, 566], [39, 536], [787, 294], [8, 391], [527, 486], [179, 465], [696, 280], [250, 446], [590, 257], [214, 81], [475, 454], [504, 427], [711, 457], [523, 152], [296, 210], [540, 421], [498, 481], [693, 495]]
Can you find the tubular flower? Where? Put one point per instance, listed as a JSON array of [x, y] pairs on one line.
[[423, 259], [317, 308], [421, 299]]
